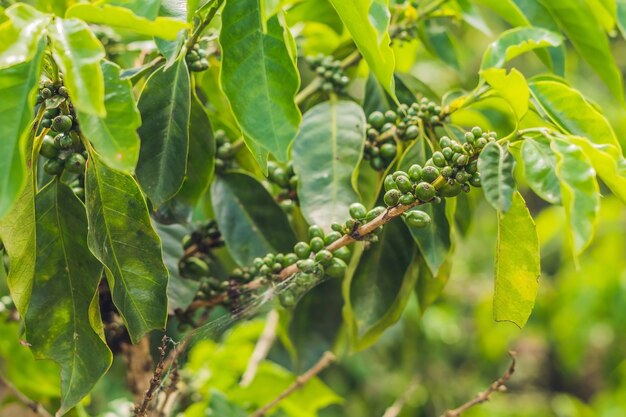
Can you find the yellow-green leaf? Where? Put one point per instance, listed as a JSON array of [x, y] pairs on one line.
[[517, 41], [512, 87], [20, 35], [517, 264]]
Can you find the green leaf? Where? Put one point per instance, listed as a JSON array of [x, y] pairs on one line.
[[220, 406], [496, 165], [375, 97], [165, 106], [78, 53], [68, 329], [580, 193], [259, 78], [251, 222], [122, 238], [621, 16], [608, 162], [201, 155], [568, 109], [540, 169], [326, 153], [19, 38], [515, 42], [517, 264], [145, 8], [588, 37], [115, 135], [18, 89], [437, 39], [433, 241], [123, 18], [388, 267], [372, 40], [507, 9], [429, 287], [512, 88]]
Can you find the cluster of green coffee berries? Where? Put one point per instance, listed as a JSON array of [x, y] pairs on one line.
[[197, 59], [51, 91], [199, 245], [224, 153], [330, 72], [287, 180]]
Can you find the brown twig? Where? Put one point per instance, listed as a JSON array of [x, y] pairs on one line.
[[32, 405], [497, 386], [395, 408], [155, 381], [300, 381], [262, 348]]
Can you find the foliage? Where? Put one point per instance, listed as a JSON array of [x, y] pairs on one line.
[[171, 166]]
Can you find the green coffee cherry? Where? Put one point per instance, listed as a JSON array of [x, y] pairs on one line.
[[390, 116], [430, 174], [336, 269], [373, 213], [306, 265], [62, 123], [46, 123], [390, 183], [302, 250], [290, 259], [343, 253], [332, 237], [337, 227], [475, 180], [477, 132], [407, 199], [316, 231], [357, 211], [415, 172], [388, 151], [75, 163], [404, 184], [438, 159], [399, 173], [391, 197], [376, 119], [450, 190], [196, 267], [425, 191], [53, 166], [49, 147], [64, 141], [62, 91], [324, 257], [445, 142], [411, 132], [316, 244], [377, 163], [417, 219], [287, 299]]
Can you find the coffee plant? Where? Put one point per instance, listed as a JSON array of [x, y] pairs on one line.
[[170, 167]]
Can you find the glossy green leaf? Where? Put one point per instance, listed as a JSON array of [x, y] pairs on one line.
[[372, 40], [78, 54], [376, 97], [320, 11], [259, 78], [507, 9], [123, 18], [608, 162], [512, 87], [580, 193], [326, 153], [568, 109], [18, 89], [201, 155], [251, 222], [515, 42], [439, 42], [388, 267], [517, 264], [540, 169], [67, 330], [588, 37], [20, 36], [496, 165], [429, 287], [115, 135], [122, 238], [433, 241], [144, 8], [165, 106]]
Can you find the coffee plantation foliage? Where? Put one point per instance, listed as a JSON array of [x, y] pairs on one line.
[[393, 181]]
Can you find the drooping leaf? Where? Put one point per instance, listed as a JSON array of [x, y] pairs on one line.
[[123, 18], [201, 155], [19, 38], [67, 330], [259, 78], [517, 264], [515, 42], [122, 238], [512, 88], [540, 169], [115, 135], [588, 37], [608, 162], [326, 153], [165, 106], [569, 110], [496, 165], [371, 36], [251, 222], [18, 88], [381, 284], [579, 191], [78, 54]]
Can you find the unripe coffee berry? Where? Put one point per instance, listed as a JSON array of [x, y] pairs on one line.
[[418, 219], [390, 116], [62, 123], [407, 199], [425, 191], [411, 132], [477, 132], [53, 166], [324, 257], [316, 244], [373, 213], [315, 231], [376, 119], [49, 148], [388, 151], [336, 269], [415, 172], [75, 163], [475, 180], [430, 174], [404, 184], [343, 253], [390, 183], [332, 237], [391, 197], [358, 211], [306, 265], [302, 250], [438, 159]]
